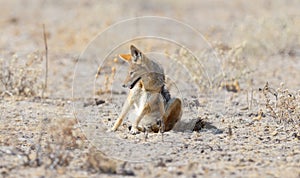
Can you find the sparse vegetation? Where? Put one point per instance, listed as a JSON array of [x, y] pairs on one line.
[[282, 104], [56, 148], [105, 79], [21, 76]]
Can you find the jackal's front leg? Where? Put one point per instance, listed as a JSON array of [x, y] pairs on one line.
[[150, 106], [135, 126], [124, 112]]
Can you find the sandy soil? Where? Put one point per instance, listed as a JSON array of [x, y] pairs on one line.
[[228, 129]]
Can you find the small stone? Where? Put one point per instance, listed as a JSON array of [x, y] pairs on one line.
[[32, 156], [274, 133]]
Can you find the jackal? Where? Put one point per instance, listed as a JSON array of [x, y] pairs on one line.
[[154, 109]]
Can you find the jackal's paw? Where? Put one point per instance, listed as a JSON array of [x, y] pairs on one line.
[[134, 131]]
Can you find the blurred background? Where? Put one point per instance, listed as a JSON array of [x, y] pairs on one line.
[[72, 24]]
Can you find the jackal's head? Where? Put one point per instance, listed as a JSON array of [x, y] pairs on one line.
[[142, 68]]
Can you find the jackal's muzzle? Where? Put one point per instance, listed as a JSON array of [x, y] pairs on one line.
[[132, 84]]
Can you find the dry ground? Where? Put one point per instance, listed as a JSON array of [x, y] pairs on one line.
[[247, 129]]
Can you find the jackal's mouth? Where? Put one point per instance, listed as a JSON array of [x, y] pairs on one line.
[[135, 82], [130, 86]]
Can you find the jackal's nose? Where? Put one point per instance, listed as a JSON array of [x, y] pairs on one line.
[[124, 86]]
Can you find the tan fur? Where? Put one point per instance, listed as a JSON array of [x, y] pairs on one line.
[[146, 80]]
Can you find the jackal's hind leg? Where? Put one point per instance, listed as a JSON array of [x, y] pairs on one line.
[[173, 113]]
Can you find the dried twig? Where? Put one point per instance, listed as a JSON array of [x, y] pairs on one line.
[[46, 54], [265, 91]]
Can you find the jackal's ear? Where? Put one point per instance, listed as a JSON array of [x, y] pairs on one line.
[[136, 54], [125, 57]]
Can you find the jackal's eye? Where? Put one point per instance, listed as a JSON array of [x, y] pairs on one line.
[[131, 74]]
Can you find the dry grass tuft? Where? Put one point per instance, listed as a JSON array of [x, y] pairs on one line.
[[282, 104], [97, 162], [21, 76], [106, 78], [62, 139], [234, 65]]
